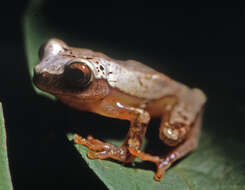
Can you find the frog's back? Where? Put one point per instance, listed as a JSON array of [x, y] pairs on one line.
[[138, 79]]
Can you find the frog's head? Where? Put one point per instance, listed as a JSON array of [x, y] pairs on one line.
[[64, 70]]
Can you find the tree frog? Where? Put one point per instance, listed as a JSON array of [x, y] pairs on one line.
[[128, 90]]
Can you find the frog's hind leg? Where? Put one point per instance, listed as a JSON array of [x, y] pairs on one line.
[[139, 120], [163, 163], [177, 121]]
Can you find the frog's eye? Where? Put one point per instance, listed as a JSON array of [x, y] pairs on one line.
[[77, 74]]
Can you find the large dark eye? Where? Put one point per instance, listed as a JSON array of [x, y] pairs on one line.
[[77, 74]]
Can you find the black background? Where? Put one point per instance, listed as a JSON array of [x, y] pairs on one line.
[[200, 47]]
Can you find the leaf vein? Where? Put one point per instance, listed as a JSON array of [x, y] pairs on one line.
[[183, 178]]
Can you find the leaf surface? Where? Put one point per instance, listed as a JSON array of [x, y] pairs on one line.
[[5, 179]]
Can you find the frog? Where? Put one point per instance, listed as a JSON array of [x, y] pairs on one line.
[[91, 81]]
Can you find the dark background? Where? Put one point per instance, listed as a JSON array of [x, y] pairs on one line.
[[200, 47]]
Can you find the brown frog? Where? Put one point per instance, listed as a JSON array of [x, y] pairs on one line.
[[128, 90]]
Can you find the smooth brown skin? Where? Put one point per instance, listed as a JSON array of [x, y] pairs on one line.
[[125, 90]]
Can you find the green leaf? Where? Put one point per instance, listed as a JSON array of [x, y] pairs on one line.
[[117, 176], [218, 163], [207, 168], [5, 179], [35, 34]]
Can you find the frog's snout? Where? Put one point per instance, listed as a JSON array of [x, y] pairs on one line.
[[48, 82], [38, 78]]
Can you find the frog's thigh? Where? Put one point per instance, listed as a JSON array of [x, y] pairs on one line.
[[139, 120], [175, 124], [163, 163], [181, 150]]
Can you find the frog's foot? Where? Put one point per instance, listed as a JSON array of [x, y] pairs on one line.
[[160, 163], [103, 150]]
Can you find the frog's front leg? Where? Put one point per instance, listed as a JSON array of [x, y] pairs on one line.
[[139, 120]]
